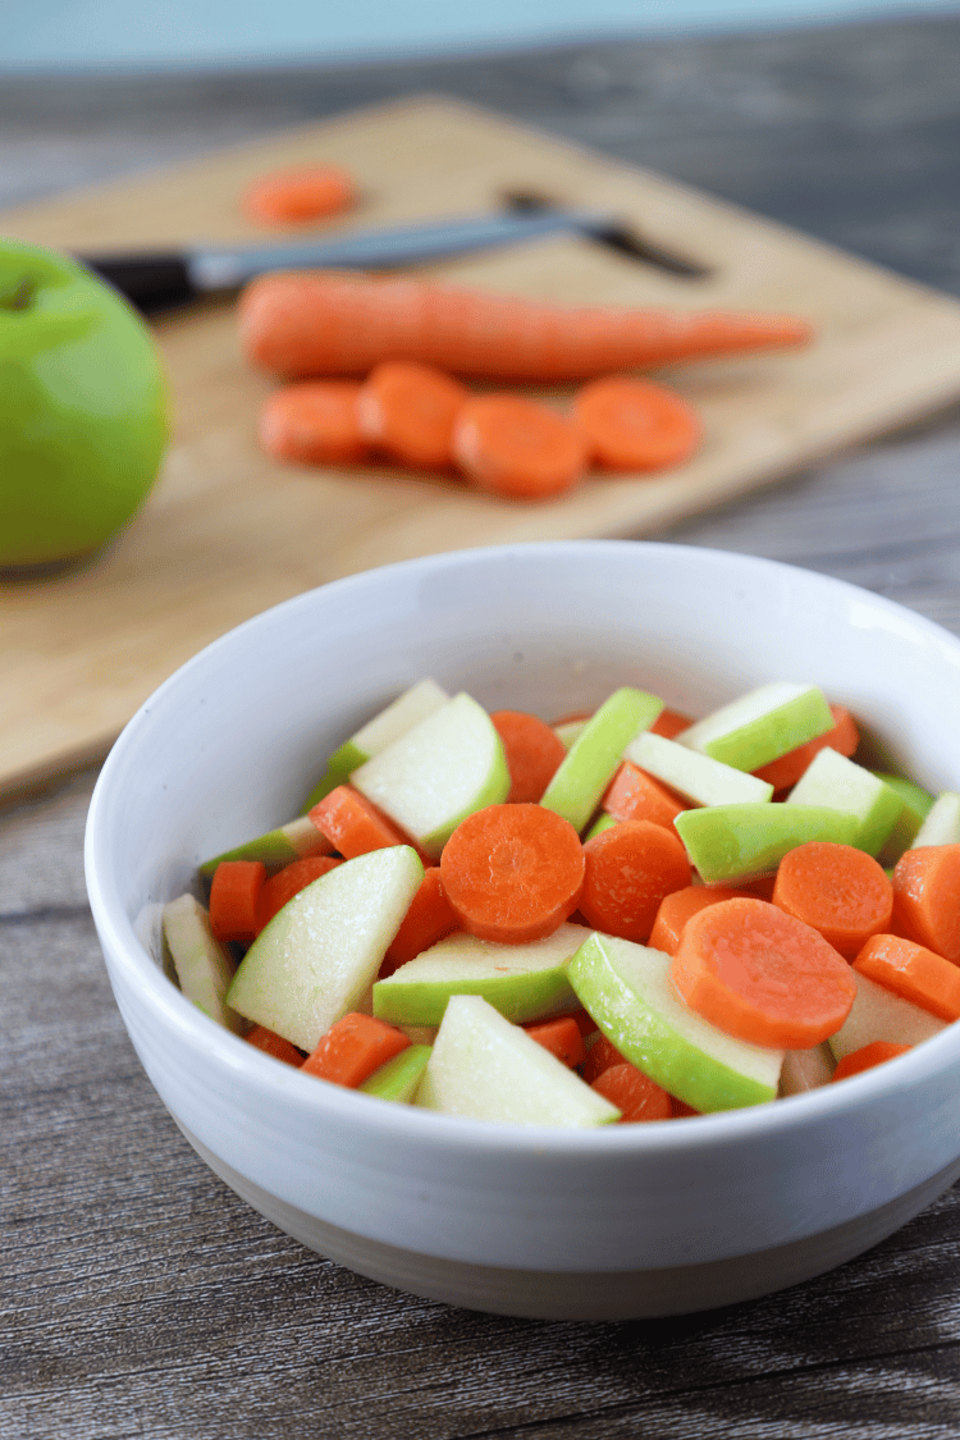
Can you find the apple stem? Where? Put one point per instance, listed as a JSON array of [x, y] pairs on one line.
[[20, 294]]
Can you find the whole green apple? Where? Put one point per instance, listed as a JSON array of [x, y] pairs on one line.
[[84, 408]]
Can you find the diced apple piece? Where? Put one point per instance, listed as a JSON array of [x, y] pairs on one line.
[[834, 780], [414, 705], [204, 968], [879, 1014], [317, 958], [942, 824], [736, 842], [591, 762], [399, 1078], [484, 1067], [521, 981], [761, 725], [917, 804], [292, 841], [626, 988], [697, 777], [438, 772], [804, 1070]]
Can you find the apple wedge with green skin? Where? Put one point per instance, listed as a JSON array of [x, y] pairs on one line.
[[942, 823], [398, 1079], [293, 841], [626, 988], [737, 842], [437, 773], [591, 762], [414, 705], [318, 957], [878, 1014], [204, 968], [831, 779], [761, 725], [917, 804], [523, 982], [485, 1068], [697, 777]]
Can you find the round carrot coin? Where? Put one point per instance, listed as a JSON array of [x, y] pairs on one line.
[[313, 422], [533, 751], [629, 869], [632, 424], [298, 194], [513, 446], [408, 410], [839, 890], [760, 975], [926, 882]]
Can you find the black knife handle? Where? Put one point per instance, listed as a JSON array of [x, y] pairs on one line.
[[149, 281]]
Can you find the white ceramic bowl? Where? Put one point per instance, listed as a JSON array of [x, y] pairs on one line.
[[629, 1221]]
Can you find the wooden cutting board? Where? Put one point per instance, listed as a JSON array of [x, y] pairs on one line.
[[227, 533]]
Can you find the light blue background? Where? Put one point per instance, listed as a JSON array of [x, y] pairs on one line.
[[189, 34]]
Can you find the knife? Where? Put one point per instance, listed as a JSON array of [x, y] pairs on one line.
[[160, 279]]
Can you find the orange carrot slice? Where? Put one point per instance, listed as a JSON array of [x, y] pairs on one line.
[[629, 869], [634, 795], [429, 918], [926, 883], [513, 446], [867, 1057], [762, 976], [839, 890], [637, 1096], [599, 1057], [273, 1044], [669, 723], [561, 1036], [234, 891], [513, 872], [297, 194], [916, 973], [408, 410], [353, 1048], [533, 752], [289, 881], [353, 824], [676, 909], [314, 422], [632, 424]]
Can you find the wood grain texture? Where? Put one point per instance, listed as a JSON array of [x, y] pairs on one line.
[[140, 1298]]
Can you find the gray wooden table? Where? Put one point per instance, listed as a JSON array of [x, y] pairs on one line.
[[138, 1296]]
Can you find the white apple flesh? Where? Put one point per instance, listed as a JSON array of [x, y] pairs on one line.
[[698, 778], [414, 705], [834, 780], [204, 968]]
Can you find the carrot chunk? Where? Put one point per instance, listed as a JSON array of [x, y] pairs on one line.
[[913, 971], [629, 869], [785, 771], [353, 824], [513, 872], [273, 1044], [513, 446], [289, 881], [300, 193], [839, 890], [533, 751], [757, 973], [561, 1036], [599, 1057], [234, 891], [634, 795], [632, 424], [676, 909], [926, 883], [429, 918], [669, 723], [866, 1057], [635, 1094], [408, 410], [353, 1048], [313, 422]]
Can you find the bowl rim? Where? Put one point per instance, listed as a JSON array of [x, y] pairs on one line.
[[127, 955]]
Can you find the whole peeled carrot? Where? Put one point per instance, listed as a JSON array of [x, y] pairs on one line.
[[297, 324]]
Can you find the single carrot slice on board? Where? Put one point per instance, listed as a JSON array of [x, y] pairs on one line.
[[353, 1048], [561, 1036], [926, 883], [513, 872], [533, 751], [273, 1044], [913, 971], [408, 410], [839, 890], [629, 869], [637, 1096], [314, 422], [634, 795], [429, 918], [676, 909], [632, 424], [513, 446], [867, 1057], [353, 824], [308, 323], [786, 770], [762, 976], [289, 881], [234, 891], [299, 193]]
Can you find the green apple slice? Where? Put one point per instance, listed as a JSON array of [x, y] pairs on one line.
[[292, 841], [483, 1067], [697, 777], [602, 822], [523, 982], [438, 772], [761, 725], [319, 955], [591, 762], [879, 1014], [414, 705], [942, 823], [804, 1070], [204, 968], [917, 804], [626, 988], [399, 1078], [736, 842], [831, 779]]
